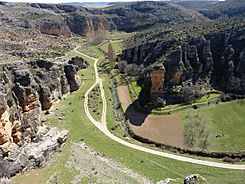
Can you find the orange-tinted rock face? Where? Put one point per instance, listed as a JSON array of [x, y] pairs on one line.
[[176, 80], [90, 27], [26, 89], [94, 28], [57, 30], [31, 102], [28, 98], [157, 79], [9, 131], [101, 26], [3, 135]]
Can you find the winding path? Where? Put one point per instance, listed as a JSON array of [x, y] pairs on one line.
[[103, 128]]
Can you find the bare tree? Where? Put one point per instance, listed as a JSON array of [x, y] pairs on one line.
[[196, 130]]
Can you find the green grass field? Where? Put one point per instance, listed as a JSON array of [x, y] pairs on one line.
[[113, 125], [116, 45], [136, 88], [228, 120]]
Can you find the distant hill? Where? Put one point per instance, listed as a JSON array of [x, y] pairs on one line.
[[140, 15], [229, 8], [196, 5], [65, 19], [87, 4]]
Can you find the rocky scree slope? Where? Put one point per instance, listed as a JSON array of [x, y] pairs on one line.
[[27, 88], [220, 57]]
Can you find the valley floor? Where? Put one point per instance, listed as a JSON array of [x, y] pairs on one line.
[[80, 129]]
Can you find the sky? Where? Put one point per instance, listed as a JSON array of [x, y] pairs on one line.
[[64, 1]]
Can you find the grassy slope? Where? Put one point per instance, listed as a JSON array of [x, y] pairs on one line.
[[184, 107], [229, 120], [225, 119]]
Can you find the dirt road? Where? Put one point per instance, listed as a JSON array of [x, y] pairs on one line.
[[103, 128]]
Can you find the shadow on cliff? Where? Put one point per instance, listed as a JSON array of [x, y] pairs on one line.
[[135, 115]]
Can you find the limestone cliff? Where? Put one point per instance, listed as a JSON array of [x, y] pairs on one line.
[[218, 57], [27, 88], [55, 29], [83, 25]]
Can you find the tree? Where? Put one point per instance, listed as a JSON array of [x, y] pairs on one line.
[[196, 130], [122, 65], [111, 55]]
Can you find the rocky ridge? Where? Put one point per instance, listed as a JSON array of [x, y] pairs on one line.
[[135, 16], [26, 89], [65, 20], [33, 154], [216, 57], [224, 9]]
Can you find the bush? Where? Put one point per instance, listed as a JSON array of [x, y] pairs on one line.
[[122, 65], [228, 159]]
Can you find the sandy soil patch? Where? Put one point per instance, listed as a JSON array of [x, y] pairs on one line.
[[124, 97]]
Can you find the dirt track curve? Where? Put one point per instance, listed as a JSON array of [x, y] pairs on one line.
[[103, 128]]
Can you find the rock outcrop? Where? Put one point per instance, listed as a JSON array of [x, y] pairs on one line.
[[27, 88], [195, 179], [79, 62], [55, 29], [34, 154], [84, 25], [216, 58], [5, 181]]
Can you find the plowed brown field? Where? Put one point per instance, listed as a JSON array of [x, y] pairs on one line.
[[166, 129]]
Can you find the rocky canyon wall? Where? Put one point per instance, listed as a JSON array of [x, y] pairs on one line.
[[26, 89], [219, 57]]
